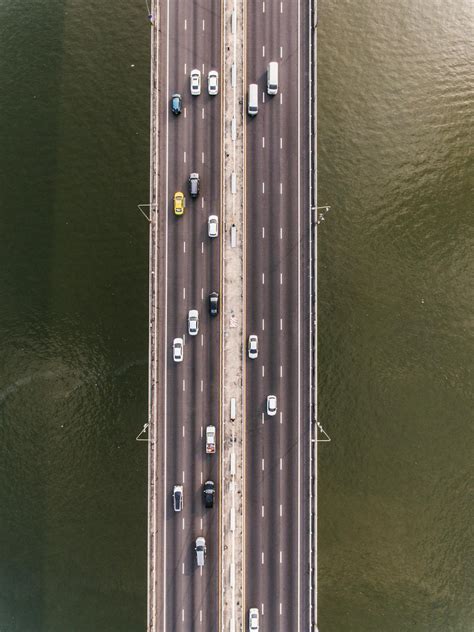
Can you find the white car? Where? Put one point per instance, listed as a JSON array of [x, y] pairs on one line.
[[195, 82], [178, 497], [200, 549], [271, 405], [193, 322], [213, 82], [213, 226], [253, 620], [178, 349], [210, 439], [252, 346]]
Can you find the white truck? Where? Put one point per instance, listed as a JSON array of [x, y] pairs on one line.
[[210, 439]]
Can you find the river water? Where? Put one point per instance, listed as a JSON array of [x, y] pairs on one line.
[[396, 325]]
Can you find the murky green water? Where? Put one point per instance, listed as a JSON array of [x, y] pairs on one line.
[[396, 316], [74, 136], [396, 324]]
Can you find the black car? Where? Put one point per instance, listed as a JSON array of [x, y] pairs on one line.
[[176, 104], [208, 494], [213, 303]]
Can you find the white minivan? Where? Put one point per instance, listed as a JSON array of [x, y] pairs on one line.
[[272, 77], [252, 105]]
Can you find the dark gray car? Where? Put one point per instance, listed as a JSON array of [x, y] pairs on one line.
[[194, 184], [213, 303], [208, 493]]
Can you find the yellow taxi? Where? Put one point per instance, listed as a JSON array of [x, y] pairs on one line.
[[179, 203]]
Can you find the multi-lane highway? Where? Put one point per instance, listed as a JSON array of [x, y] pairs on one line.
[[187, 267], [189, 270], [277, 155]]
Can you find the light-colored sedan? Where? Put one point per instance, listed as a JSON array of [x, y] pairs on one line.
[[252, 346], [195, 82], [213, 82], [213, 226], [178, 349], [271, 405], [253, 620], [193, 322]]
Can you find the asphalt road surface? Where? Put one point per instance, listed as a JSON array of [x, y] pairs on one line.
[[277, 259], [187, 597]]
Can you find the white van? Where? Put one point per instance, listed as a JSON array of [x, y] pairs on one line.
[[252, 107], [272, 77]]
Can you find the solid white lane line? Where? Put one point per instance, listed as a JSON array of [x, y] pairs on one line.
[[263, 324], [263, 51], [184, 156], [263, 278], [263, 142], [263, 232], [298, 589], [263, 187]]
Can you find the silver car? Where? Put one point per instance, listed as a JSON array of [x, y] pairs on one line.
[[195, 82], [252, 346], [193, 322], [213, 82], [200, 549], [271, 405], [178, 497], [178, 349]]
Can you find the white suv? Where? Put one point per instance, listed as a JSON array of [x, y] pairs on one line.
[[252, 346], [213, 226], [253, 620], [200, 550], [271, 405], [193, 322], [213, 82]]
